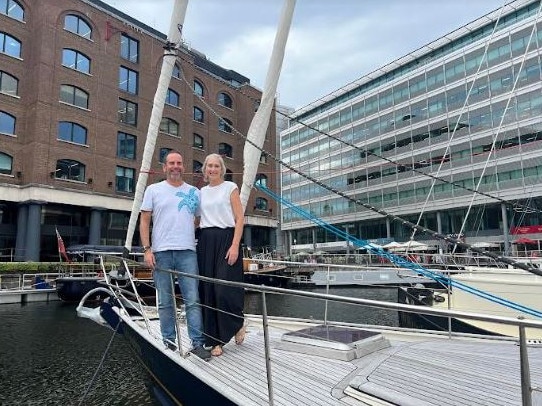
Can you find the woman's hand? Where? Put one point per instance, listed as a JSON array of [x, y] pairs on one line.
[[232, 255]]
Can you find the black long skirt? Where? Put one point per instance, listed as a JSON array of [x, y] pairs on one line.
[[222, 306]]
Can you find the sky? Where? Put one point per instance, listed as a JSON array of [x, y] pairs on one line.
[[331, 42]]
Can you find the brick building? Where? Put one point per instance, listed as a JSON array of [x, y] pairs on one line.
[[77, 82]]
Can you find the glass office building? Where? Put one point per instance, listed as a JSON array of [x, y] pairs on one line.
[[466, 109]]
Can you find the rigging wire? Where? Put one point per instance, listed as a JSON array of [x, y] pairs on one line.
[[362, 150], [398, 260], [435, 234]]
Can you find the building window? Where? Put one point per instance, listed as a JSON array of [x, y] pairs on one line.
[[225, 150], [6, 164], [172, 98], [126, 145], [124, 180], [228, 175], [72, 132], [9, 84], [198, 88], [225, 125], [169, 126], [197, 167], [7, 123], [73, 95], [198, 141], [78, 26], [128, 80], [9, 45], [70, 169], [261, 204], [75, 60], [12, 9], [261, 179], [176, 72], [225, 100], [129, 48], [163, 154], [198, 115], [127, 112], [263, 158]]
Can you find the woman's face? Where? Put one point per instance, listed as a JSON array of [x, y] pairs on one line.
[[213, 170]]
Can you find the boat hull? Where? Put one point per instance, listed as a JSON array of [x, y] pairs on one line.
[[180, 386], [513, 285]]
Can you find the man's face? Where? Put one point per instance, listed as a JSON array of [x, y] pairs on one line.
[[173, 167]]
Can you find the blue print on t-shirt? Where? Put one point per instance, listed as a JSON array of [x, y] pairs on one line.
[[189, 200]]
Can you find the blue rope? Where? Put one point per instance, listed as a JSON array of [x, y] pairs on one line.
[[397, 260]]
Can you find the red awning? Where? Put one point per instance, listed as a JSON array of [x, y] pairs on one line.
[[525, 240]]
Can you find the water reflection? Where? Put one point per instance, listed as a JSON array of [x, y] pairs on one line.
[[280, 305], [49, 356]]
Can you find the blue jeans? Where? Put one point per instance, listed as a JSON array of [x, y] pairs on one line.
[[180, 261]]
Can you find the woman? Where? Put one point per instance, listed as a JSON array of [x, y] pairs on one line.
[[219, 256]]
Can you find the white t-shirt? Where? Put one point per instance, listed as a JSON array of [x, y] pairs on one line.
[[173, 210], [216, 210]]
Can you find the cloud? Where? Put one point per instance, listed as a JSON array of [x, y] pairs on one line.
[[330, 43]]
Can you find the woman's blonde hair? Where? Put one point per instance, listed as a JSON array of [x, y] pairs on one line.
[[220, 161]]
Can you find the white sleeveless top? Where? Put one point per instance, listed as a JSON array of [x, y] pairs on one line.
[[216, 210]]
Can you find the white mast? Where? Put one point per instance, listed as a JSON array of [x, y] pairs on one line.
[[260, 122], [168, 62]]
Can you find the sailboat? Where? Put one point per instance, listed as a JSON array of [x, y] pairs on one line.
[[316, 361]]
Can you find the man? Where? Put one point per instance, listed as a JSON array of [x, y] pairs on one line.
[[172, 204]]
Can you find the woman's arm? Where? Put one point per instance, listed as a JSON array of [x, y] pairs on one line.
[[237, 208]]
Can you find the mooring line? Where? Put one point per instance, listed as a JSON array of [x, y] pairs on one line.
[[91, 383]]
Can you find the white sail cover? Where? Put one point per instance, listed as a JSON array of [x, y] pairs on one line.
[[260, 122], [168, 62]]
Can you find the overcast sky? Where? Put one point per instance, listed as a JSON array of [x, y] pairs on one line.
[[331, 42]]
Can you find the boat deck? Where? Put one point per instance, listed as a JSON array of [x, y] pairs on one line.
[[411, 371]]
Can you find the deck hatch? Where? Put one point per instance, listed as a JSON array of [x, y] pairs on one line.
[[333, 342]]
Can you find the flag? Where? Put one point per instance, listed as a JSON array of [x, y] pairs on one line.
[[61, 247]]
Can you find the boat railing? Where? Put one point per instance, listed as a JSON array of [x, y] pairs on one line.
[[266, 291], [28, 281], [520, 323]]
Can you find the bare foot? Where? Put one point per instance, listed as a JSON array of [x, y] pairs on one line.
[[217, 351], [240, 336]]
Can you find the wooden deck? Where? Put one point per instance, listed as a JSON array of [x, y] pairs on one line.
[[414, 370]]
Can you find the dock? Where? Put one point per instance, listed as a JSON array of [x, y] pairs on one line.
[[26, 288]]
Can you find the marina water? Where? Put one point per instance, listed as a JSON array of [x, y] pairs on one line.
[[49, 356]]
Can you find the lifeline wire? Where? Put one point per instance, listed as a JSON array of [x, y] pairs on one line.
[[399, 261]]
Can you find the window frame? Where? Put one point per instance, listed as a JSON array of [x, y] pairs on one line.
[[166, 127], [127, 104], [64, 170], [9, 6], [81, 25], [129, 187], [128, 149], [74, 97], [72, 133], [79, 58], [126, 44], [128, 80], [169, 94], [12, 124], [198, 88], [225, 125], [3, 75], [8, 159], [200, 145], [200, 118], [225, 100], [225, 150], [4, 37]]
